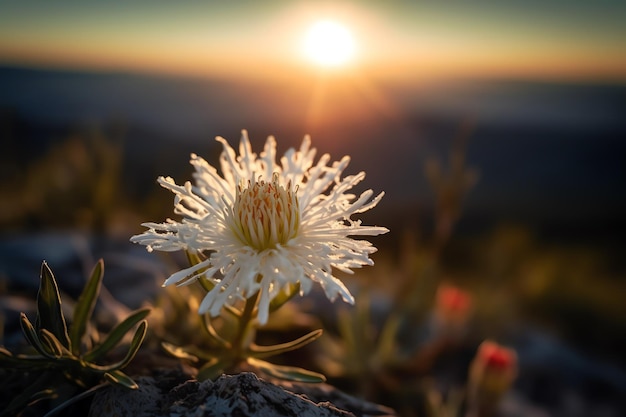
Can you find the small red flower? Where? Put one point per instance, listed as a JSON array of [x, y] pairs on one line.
[[453, 307], [496, 357], [491, 374], [453, 299]]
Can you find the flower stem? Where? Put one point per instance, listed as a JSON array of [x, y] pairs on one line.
[[242, 339]]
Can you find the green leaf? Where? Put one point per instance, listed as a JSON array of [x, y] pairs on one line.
[[288, 373], [45, 394], [5, 354], [346, 330], [120, 378], [35, 391], [232, 311], [211, 370], [53, 344], [33, 338], [284, 296], [132, 351], [26, 398], [195, 258], [257, 351], [49, 313], [7, 359], [387, 340], [214, 334], [74, 399], [85, 306], [204, 354], [179, 352], [116, 335]]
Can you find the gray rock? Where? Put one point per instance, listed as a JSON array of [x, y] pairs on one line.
[[238, 395]]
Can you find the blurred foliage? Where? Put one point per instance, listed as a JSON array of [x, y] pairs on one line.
[[450, 186], [80, 182], [77, 173], [66, 359]]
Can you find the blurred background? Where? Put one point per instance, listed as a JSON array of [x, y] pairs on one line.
[[496, 130]]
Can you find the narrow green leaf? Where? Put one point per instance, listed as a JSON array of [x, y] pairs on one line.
[[288, 373], [132, 351], [85, 306], [211, 370], [116, 335], [29, 363], [33, 392], [204, 354], [135, 344], [29, 396], [206, 319], [7, 359], [362, 324], [75, 399], [53, 344], [386, 348], [232, 311], [46, 394], [49, 313], [4, 353], [257, 351], [32, 337], [346, 330], [195, 258], [179, 352], [284, 296], [120, 378]]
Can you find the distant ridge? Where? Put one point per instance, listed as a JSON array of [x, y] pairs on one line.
[[545, 151]]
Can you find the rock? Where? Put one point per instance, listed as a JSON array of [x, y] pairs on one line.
[[238, 395], [326, 392], [146, 401]]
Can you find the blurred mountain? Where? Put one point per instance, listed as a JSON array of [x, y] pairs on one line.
[[549, 154]]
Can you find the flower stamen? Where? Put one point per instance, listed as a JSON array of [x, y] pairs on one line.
[[265, 214]]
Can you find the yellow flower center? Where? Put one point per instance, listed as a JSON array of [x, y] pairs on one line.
[[265, 214]]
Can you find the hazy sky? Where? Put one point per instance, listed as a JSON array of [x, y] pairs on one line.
[[557, 39]]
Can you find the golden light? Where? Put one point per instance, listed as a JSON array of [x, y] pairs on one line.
[[329, 44]]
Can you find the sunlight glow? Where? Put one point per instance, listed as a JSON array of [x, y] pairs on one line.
[[329, 44]]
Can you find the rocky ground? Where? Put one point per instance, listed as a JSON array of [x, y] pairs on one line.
[[241, 395]]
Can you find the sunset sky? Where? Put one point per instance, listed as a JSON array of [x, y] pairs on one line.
[[578, 40]]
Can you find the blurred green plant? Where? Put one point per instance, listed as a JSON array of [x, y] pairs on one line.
[[451, 186], [74, 184], [66, 359], [362, 353], [231, 339]]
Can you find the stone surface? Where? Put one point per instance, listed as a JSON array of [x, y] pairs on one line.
[[238, 395]]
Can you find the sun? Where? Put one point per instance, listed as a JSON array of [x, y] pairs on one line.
[[329, 44]]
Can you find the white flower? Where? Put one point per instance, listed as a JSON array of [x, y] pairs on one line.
[[265, 225]]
